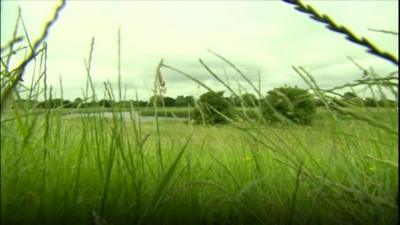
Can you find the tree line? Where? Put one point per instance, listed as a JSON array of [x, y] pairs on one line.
[[245, 100], [179, 101]]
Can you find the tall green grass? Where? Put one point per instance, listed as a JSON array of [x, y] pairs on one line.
[[221, 175], [93, 169]]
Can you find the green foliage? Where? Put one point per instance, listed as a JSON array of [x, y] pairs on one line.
[[189, 100], [349, 95], [357, 101], [294, 103], [51, 103], [235, 100], [246, 100], [77, 102], [249, 100], [370, 102], [318, 102], [168, 101], [212, 108], [156, 100], [105, 103], [387, 103], [351, 99], [184, 101]]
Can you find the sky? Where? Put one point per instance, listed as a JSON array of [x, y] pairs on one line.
[[259, 37]]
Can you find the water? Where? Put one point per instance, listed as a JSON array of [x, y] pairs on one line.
[[126, 116]]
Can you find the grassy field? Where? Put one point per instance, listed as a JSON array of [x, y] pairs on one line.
[[96, 170], [123, 169]]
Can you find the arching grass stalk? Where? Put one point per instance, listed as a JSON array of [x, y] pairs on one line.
[[88, 66], [32, 54], [384, 31], [217, 77], [257, 90], [333, 26], [159, 91], [313, 85], [353, 112], [188, 76]]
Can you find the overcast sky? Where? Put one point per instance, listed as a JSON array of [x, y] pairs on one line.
[[264, 36]]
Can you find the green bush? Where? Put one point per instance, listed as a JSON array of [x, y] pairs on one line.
[[351, 99], [169, 102], [249, 100], [209, 108], [156, 100], [370, 102], [184, 101], [294, 103]]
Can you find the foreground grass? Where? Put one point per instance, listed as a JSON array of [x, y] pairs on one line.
[[94, 169]]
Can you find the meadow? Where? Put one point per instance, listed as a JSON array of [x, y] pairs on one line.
[[70, 171], [95, 169]]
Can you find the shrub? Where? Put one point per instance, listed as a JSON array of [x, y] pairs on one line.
[[318, 102], [235, 100], [249, 100], [105, 103], [168, 101], [184, 101], [294, 103], [370, 102], [209, 108], [156, 100], [387, 103], [351, 99]]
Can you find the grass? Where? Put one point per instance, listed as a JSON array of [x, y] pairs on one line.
[[232, 174], [96, 169]]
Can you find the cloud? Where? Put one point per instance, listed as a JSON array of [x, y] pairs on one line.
[[257, 36]]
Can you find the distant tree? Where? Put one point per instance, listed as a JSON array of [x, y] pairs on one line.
[[370, 102], [180, 100], [52, 103], [337, 102], [168, 101], [294, 103], [93, 103], [67, 103], [349, 95], [387, 103], [105, 103], [189, 100], [235, 100], [184, 101], [351, 99], [142, 103], [77, 102], [129, 103], [122, 104], [25, 103], [40, 104], [156, 100], [318, 102], [249, 100], [212, 108]]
